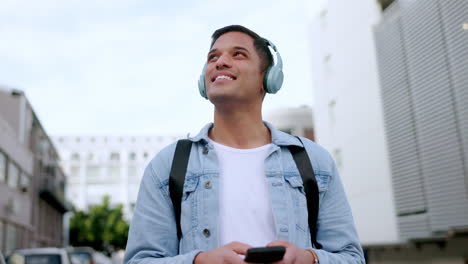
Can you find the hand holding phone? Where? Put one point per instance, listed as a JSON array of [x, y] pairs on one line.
[[265, 254]]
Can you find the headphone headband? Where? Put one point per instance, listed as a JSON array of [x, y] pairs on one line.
[[279, 61]]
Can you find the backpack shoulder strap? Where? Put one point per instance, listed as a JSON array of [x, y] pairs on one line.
[[310, 187], [177, 178]]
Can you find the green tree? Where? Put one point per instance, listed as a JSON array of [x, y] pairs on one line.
[[102, 227]]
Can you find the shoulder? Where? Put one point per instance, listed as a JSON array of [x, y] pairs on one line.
[[321, 159], [160, 165]]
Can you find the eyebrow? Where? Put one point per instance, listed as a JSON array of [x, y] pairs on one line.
[[236, 48]]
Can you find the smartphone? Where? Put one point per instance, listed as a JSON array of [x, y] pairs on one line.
[[265, 254]]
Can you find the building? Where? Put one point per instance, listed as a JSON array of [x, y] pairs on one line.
[[297, 121], [392, 97], [31, 182], [422, 58], [348, 113], [107, 165]]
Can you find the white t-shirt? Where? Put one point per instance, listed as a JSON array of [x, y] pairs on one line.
[[245, 213]]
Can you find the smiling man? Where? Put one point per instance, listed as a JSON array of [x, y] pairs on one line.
[[242, 186]]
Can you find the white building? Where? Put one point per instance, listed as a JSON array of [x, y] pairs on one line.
[[107, 165], [297, 121], [348, 113]]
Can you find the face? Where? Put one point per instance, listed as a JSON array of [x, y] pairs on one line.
[[233, 69]]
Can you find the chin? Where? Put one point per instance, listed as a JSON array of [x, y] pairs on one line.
[[223, 98]]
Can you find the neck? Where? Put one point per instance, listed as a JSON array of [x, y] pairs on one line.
[[242, 128]]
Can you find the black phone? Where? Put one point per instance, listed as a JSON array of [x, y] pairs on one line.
[[265, 254]]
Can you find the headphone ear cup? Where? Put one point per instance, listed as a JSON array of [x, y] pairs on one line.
[[273, 79], [201, 83]]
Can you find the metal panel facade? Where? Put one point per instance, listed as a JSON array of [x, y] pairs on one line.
[[423, 64]]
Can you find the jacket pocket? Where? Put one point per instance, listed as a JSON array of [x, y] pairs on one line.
[[296, 190], [298, 197], [190, 186]]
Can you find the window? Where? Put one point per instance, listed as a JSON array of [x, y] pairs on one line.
[[132, 172], [75, 172], [90, 156], [24, 182], [13, 175], [75, 156], [92, 171], [61, 189], [145, 155], [114, 172], [331, 111], [115, 156], [3, 162], [1, 236], [132, 156], [10, 241], [43, 258]]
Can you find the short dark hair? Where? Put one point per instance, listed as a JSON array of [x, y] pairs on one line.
[[261, 46]]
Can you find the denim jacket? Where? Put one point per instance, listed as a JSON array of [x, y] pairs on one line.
[[153, 232]]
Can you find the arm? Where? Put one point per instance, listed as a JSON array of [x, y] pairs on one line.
[[335, 228], [153, 236]]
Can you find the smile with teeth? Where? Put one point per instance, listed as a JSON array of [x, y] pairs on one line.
[[224, 77]]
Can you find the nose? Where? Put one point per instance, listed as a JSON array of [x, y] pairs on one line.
[[223, 62]]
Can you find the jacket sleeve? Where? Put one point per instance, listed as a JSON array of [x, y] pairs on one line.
[[152, 237], [335, 226]]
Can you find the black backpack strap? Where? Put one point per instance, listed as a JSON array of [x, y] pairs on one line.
[[310, 187], [177, 178]]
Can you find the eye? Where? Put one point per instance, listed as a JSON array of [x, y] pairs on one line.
[[238, 53], [212, 57]]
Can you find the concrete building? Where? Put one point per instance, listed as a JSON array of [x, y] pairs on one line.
[[391, 102], [107, 165], [31, 182], [348, 113], [297, 121]]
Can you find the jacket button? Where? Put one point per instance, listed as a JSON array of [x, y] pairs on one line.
[[208, 185], [205, 150], [206, 232]]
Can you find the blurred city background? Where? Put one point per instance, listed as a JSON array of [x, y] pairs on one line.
[[91, 91]]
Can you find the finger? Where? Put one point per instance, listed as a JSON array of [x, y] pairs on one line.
[[290, 255], [234, 259], [238, 247], [277, 243]]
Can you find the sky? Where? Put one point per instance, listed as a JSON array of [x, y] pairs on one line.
[[114, 67]]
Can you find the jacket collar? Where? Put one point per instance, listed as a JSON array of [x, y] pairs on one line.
[[278, 137]]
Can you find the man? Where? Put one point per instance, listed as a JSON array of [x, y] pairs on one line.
[[242, 188]]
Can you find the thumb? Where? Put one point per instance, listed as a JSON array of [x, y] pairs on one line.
[[238, 247]]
